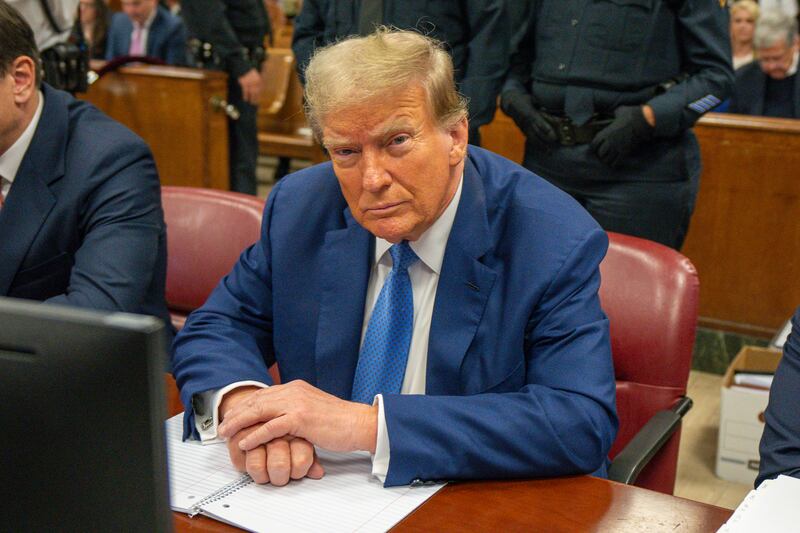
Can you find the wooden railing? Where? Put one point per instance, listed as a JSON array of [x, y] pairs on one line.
[[173, 110]]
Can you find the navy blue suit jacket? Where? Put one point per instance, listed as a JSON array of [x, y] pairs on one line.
[[749, 92], [166, 38], [519, 374], [82, 224], [780, 443]]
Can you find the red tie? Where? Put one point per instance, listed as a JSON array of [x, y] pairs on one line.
[[2, 198]]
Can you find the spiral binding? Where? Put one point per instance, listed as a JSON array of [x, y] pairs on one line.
[[222, 492]]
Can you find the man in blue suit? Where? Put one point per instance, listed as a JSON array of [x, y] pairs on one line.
[[780, 443], [147, 29], [434, 306], [80, 208]]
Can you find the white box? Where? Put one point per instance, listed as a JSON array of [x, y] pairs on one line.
[[741, 417]]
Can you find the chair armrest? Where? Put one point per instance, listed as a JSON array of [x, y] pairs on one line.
[[630, 462]]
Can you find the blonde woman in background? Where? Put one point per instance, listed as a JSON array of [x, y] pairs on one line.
[[744, 14]]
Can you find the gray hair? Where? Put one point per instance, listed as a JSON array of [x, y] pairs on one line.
[[772, 26], [360, 70]]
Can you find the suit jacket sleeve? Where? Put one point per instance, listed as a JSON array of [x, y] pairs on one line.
[[518, 78], [487, 54], [780, 443], [114, 48], [309, 28], [562, 421], [121, 223], [707, 61], [234, 326]]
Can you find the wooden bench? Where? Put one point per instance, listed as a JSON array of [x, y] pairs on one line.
[[744, 236], [282, 127]]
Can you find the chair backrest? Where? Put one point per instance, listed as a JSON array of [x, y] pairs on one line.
[[207, 230], [649, 292]]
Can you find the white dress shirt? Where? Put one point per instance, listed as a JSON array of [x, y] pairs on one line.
[[12, 158], [424, 275], [63, 12]]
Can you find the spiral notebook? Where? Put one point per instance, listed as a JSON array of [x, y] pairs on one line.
[[348, 498]]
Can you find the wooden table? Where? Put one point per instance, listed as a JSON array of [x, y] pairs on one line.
[[566, 504]]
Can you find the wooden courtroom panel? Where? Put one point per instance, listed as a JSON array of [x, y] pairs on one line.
[[568, 504], [283, 130], [172, 109], [744, 237]]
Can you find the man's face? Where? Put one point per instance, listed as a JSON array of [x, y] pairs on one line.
[[776, 60], [397, 168], [138, 10]]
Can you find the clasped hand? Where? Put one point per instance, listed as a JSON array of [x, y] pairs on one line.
[[271, 432]]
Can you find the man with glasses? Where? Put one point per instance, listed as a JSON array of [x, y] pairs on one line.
[[768, 86]]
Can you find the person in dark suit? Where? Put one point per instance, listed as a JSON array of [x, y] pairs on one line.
[[780, 443], [768, 86], [81, 219], [147, 29], [477, 32], [434, 304]]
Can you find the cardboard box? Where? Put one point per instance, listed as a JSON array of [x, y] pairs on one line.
[[741, 418]]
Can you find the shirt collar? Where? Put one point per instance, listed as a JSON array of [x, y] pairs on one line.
[[12, 158], [149, 21], [431, 245], [793, 68]]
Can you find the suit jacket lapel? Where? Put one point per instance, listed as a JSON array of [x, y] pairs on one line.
[[464, 287], [153, 33], [346, 266], [30, 199]]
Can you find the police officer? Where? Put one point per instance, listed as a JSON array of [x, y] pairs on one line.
[[230, 36], [477, 33], [606, 93]]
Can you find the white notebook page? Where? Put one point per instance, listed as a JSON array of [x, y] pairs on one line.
[[348, 498]]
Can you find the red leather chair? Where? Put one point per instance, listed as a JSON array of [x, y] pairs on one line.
[[649, 293], [207, 230]]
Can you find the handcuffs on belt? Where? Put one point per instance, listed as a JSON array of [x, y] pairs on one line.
[[204, 55], [569, 134]]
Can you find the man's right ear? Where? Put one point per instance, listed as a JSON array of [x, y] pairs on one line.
[[23, 70]]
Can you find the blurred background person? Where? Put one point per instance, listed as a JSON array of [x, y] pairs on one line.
[[231, 34], [744, 14], [94, 17], [768, 86], [144, 28]]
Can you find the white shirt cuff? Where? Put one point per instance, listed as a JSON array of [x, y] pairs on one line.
[[380, 461], [206, 410]]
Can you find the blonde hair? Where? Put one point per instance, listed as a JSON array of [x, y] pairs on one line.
[[360, 70], [746, 5]]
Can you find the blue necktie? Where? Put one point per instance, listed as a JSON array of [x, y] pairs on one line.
[[382, 362]]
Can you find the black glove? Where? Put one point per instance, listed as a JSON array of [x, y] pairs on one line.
[[519, 107], [628, 130]]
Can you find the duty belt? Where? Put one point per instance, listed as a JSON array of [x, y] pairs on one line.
[[570, 134]]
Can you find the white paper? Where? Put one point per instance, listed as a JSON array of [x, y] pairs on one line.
[[348, 498], [772, 507]]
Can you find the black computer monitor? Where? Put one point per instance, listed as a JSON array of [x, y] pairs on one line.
[[82, 400]]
